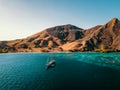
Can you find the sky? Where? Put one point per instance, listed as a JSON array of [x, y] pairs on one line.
[[21, 18]]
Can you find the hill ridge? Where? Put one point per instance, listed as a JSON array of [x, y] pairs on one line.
[[68, 38]]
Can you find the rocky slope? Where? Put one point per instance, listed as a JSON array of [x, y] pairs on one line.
[[68, 38]]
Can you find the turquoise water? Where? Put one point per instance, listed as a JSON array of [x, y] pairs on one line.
[[73, 71]]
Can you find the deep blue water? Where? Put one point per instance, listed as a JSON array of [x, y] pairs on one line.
[[73, 71]]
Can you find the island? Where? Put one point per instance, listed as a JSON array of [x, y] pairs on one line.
[[69, 38]]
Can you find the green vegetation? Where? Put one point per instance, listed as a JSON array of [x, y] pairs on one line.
[[7, 49], [60, 48], [73, 50], [44, 50], [102, 49], [4, 50]]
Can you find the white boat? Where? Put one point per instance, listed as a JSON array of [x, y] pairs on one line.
[[50, 64]]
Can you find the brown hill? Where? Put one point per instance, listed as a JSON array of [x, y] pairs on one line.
[[69, 38]]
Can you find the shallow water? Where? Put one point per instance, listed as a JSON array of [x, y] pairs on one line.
[[73, 71]]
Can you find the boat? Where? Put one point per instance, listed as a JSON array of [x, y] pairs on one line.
[[50, 64]]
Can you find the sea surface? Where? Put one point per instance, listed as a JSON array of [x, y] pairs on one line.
[[73, 71]]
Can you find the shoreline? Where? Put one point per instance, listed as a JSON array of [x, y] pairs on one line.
[[58, 52]]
